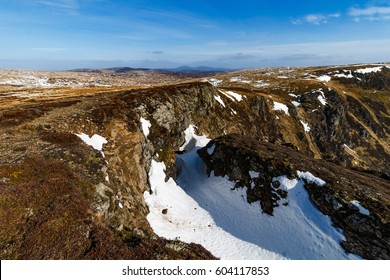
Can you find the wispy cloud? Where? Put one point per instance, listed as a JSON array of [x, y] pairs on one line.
[[65, 6], [315, 18], [175, 17], [218, 43], [52, 50], [372, 13], [242, 56]]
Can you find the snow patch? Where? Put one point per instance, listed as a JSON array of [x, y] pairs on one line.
[[192, 140], [215, 82], [281, 107], [342, 75], [321, 97], [286, 183], [311, 178], [324, 78], [145, 126], [369, 70], [260, 84], [306, 126], [96, 141], [254, 174], [295, 103], [239, 80], [232, 95], [219, 100], [362, 210]]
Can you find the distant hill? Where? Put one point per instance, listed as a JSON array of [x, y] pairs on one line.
[[127, 69], [198, 69], [182, 69]]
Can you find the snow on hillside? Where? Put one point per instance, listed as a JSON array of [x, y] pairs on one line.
[[96, 141], [324, 78], [260, 84], [219, 100], [32, 80], [281, 107], [239, 79], [215, 82], [306, 126], [349, 74], [145, 125], [232, 95], [321, 98], [370, 70], [46, 79], [362, 210], [207, 210]]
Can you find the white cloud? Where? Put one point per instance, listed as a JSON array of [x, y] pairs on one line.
[[373, 13], [67, 6], [315, 18], [370, 11]]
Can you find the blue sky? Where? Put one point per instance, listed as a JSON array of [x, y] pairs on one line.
[[66, 34]]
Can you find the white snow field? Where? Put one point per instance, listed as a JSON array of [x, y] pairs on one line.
[[206, 210]]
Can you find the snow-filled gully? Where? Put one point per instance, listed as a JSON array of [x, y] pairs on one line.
[[206, 210]]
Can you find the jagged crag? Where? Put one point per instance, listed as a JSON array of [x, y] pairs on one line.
[[56, 203]]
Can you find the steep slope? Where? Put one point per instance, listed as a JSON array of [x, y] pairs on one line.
[[316, 111]]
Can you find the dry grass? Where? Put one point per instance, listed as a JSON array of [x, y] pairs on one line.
[[44, 210]]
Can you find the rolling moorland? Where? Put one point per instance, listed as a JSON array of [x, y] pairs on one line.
[[270, 163]]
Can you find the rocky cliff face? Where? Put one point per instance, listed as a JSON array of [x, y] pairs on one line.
[[339, 120]]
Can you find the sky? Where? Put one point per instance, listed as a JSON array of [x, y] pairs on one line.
[[69, 34]]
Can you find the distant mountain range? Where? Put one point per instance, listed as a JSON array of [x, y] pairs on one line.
[[198, 69], [181, 69]]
